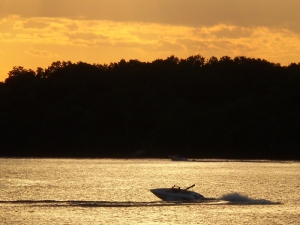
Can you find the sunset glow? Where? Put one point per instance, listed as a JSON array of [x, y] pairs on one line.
[[37, 33]]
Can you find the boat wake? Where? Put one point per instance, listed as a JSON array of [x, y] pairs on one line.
[[236, 198], [227, 199], [75, 203]]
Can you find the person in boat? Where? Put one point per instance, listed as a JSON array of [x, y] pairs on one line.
[[175, 188]]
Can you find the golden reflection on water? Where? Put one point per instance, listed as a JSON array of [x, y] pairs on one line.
[[107, 191]]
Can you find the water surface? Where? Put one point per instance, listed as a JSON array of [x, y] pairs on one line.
[[110, 191]]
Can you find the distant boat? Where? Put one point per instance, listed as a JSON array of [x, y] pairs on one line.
[[177, 158], [177, 194]]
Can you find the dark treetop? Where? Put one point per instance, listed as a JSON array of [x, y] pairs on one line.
[[222, 108]]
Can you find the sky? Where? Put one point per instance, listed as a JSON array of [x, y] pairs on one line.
[[35, 33]]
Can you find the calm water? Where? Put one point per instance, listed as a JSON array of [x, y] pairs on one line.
[[107, 191]]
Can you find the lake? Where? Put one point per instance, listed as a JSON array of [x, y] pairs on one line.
[[116, 191]]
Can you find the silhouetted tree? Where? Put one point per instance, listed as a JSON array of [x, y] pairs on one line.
[[229, 108]]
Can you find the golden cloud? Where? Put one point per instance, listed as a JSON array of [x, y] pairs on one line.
[[215, 40], [39, 53]]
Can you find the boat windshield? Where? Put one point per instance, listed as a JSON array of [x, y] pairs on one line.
[[177, 187]]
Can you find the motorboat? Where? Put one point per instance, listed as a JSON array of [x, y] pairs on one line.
[[177, 194]]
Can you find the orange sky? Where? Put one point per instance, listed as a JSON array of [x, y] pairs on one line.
[[34, 33]]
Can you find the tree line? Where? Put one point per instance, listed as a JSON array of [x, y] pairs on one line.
[[203, 108]]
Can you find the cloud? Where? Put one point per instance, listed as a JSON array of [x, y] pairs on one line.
[[39, 53], [104, 31], [5, 35], [35, 24], [161, 39], [196, 13]]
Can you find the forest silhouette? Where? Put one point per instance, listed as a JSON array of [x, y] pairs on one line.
[[239, 108]]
